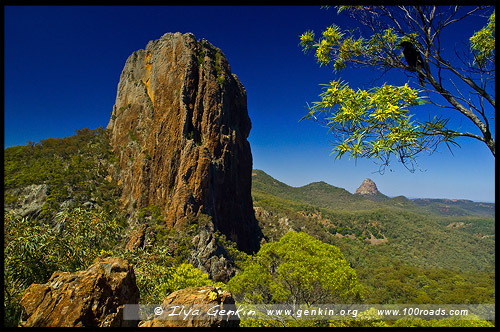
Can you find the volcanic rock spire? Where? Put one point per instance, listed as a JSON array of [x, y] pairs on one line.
[[368, 187], [179, 127]]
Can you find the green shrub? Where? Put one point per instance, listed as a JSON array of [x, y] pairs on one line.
[[34, 250]]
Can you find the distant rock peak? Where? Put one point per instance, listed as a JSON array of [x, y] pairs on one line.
[[368, 187]]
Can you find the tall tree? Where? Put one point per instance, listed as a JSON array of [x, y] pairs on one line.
[[377, 123], [297, 269]]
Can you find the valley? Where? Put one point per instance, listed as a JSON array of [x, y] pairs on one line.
[[403, 251]]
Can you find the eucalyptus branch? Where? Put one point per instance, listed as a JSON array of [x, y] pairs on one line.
[[364, 130], [467, 80]]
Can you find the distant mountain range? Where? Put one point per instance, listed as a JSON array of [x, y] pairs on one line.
[[403, 250], [439, 233], [367, 196]]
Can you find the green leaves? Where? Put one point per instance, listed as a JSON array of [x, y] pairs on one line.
[[342, 48], [307, 40], [297, 269], [33, 250], [332, 45], [382, 49], [376, 123], [482, 43], [156, 286], [71, 166]]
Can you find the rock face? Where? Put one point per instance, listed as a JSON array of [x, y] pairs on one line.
[[90, 298], [179, 128], [136, 238], [31, 200], [206, 300], [368, 187], [209, 257]]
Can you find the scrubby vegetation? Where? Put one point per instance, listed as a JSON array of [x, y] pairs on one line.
[[392, 251], [68, 233], [420, 256], [297, 269], [33, 250], [77, 169]]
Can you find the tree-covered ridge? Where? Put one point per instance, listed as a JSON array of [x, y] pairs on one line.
[[419, 239], [401, 253], [418, 257], [77, 169], [324, 195], [318, 194], [460, 207], [79, 221]]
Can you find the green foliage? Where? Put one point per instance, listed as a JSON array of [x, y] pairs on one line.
[[34, 250], [220, 78], [377, 124], [75, 168], [132, 137], [178, 240], [401, 283], [201, 57], [158, 274], [423, 261], [150, 214], [8, 198], [482, 43], [239, 258], [457, 208], [317, 194], [370, 318], [411, 230], [161, 267], [459, 322], [297, 269]]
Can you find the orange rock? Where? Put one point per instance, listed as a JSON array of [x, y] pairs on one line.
[[179, 128], [368, 187], [90, 298], [212, 307]]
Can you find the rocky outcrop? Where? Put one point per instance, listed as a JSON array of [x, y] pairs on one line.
[[179, 128], [136, 238], [91, 298], [210, 307], [31, 200], [208, 256], [368, 187]]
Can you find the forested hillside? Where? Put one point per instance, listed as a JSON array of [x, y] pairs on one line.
[[393, 250], [62, 211], [403, 252]]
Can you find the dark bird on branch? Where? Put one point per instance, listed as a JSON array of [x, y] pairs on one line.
[[413, 59]]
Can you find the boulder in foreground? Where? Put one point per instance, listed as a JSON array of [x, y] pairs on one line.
[[91, 298]]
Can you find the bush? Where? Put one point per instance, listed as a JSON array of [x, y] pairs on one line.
[[34, 250]]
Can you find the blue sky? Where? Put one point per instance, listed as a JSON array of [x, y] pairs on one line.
[[62, 66]]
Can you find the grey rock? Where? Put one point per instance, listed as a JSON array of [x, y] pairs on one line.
[[31, 200]]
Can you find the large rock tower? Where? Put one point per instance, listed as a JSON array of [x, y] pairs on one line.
[[179, 128]]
